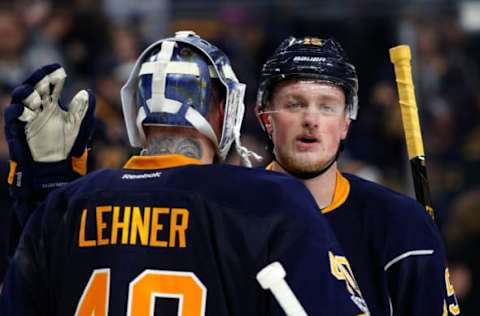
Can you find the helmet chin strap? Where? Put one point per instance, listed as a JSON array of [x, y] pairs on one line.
[[314, 174]]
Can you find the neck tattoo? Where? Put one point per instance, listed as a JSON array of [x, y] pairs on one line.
[[189, 147]]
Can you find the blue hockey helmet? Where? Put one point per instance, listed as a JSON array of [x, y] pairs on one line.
[[309, 58], [171, 85]]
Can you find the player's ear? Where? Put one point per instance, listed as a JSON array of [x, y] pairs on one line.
[[345, 127], [266, 119]]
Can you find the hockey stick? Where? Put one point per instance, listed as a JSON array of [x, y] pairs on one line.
[[272, 278], [400, 56]]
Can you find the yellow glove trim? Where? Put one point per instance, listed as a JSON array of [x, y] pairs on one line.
[[79, 164], [11, 172]]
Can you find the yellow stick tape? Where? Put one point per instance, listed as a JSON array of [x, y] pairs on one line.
[[400, 56]]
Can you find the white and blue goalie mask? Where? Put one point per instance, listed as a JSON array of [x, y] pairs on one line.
[[171, 85]]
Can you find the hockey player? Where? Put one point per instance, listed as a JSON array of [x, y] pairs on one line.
[[306, 100], [170, 233]]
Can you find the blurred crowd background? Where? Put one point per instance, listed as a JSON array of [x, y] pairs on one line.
[[97, 42]]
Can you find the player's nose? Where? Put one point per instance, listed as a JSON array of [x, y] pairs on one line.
[[310, 120]]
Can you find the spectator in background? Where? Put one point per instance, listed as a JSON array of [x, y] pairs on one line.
[[241, 38], [151, 17], [47, 31], [88, 39], [446, 81], [13, 66], [110, 137], [380, 126]]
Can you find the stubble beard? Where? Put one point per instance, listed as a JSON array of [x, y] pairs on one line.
[[296, 163]]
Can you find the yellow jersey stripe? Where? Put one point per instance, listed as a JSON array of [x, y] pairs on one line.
[[160, 162]]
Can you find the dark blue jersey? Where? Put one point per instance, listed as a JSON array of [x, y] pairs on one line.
[[394, 247], [167, 237], [6, 218]]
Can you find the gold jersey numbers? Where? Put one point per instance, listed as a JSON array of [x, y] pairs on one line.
[[142, 292], [450, 304]]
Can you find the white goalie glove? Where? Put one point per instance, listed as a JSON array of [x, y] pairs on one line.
[[47, 142]]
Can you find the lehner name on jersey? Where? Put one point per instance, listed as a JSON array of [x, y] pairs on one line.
[[148, 226]]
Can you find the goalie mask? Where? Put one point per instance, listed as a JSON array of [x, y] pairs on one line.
[[311, 59], [171, 85]]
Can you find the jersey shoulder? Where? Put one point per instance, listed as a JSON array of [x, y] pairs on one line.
[[247, 191], [402, 221], [250, 187], [257, 192], [387, 202], [231, 186], [234, 184]]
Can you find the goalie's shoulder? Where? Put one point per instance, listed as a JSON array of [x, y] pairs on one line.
[[253, 188], [256, 179], [96, 180]]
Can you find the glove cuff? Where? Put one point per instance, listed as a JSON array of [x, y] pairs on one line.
[[79, 164], [41, 178]]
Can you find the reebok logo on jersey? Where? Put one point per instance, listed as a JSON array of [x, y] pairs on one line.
[[130, 176]]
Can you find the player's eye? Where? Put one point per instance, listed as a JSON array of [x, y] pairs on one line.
[[329, 109], [294, 106]]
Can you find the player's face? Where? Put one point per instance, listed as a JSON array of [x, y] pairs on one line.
[[308, 119]]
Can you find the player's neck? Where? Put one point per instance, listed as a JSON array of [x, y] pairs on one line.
[[188, 146], [321, 187], [170, 140]]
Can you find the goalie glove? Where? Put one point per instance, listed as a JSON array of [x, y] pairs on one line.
[[47, 142]]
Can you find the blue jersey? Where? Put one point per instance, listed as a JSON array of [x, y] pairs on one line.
[[394, 247], [164, 236], [6, 219]]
